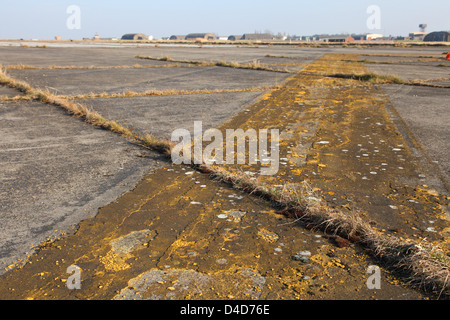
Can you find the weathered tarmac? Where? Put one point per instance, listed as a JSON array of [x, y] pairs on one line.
[[176, 234], [167, 109], [57, 171], [75, 82]]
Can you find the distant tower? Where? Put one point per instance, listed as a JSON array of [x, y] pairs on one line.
[[422, 27]]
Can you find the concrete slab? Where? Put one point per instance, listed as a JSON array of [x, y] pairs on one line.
[[47, 57], [8, 92], [72, 82], [160, 115], [238, 54], [411, 72], [83, 56], [56, 171], [425, 111]]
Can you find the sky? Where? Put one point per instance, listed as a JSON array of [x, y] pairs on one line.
[[35, 19]]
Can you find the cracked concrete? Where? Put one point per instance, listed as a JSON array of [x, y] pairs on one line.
[[57, 171], [184, 236]]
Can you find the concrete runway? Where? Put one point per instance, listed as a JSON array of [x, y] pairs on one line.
[[57, 171]]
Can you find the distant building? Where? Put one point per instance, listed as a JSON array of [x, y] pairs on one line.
[[293, 38], [258, 36], [368, 36], [234, 37], [201, 36], [311, 38], [438, 36], [58, 38], [417, 36], [359, 37], [281, 37], [342, 39], [177, 37], [134, 36], [373, 36]]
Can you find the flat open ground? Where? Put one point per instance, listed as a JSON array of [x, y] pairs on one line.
[[142, 228]]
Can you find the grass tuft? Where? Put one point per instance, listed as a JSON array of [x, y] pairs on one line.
[[370, 77], [54, 67], [163, 146], [166, 92], [425, 265], [255, 65], [375, 78]]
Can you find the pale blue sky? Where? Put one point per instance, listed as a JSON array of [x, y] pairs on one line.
[[45, 19]]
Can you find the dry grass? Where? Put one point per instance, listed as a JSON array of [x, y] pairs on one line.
[[424, 265], [54, 67], [402, 62], [426, 83], [375, 78], [281, 57], [435, 79], [369, 77], [15, 98], [167, 92], [400, 55], [290, 64], [255, 65], [168, 58], [152, 142]]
